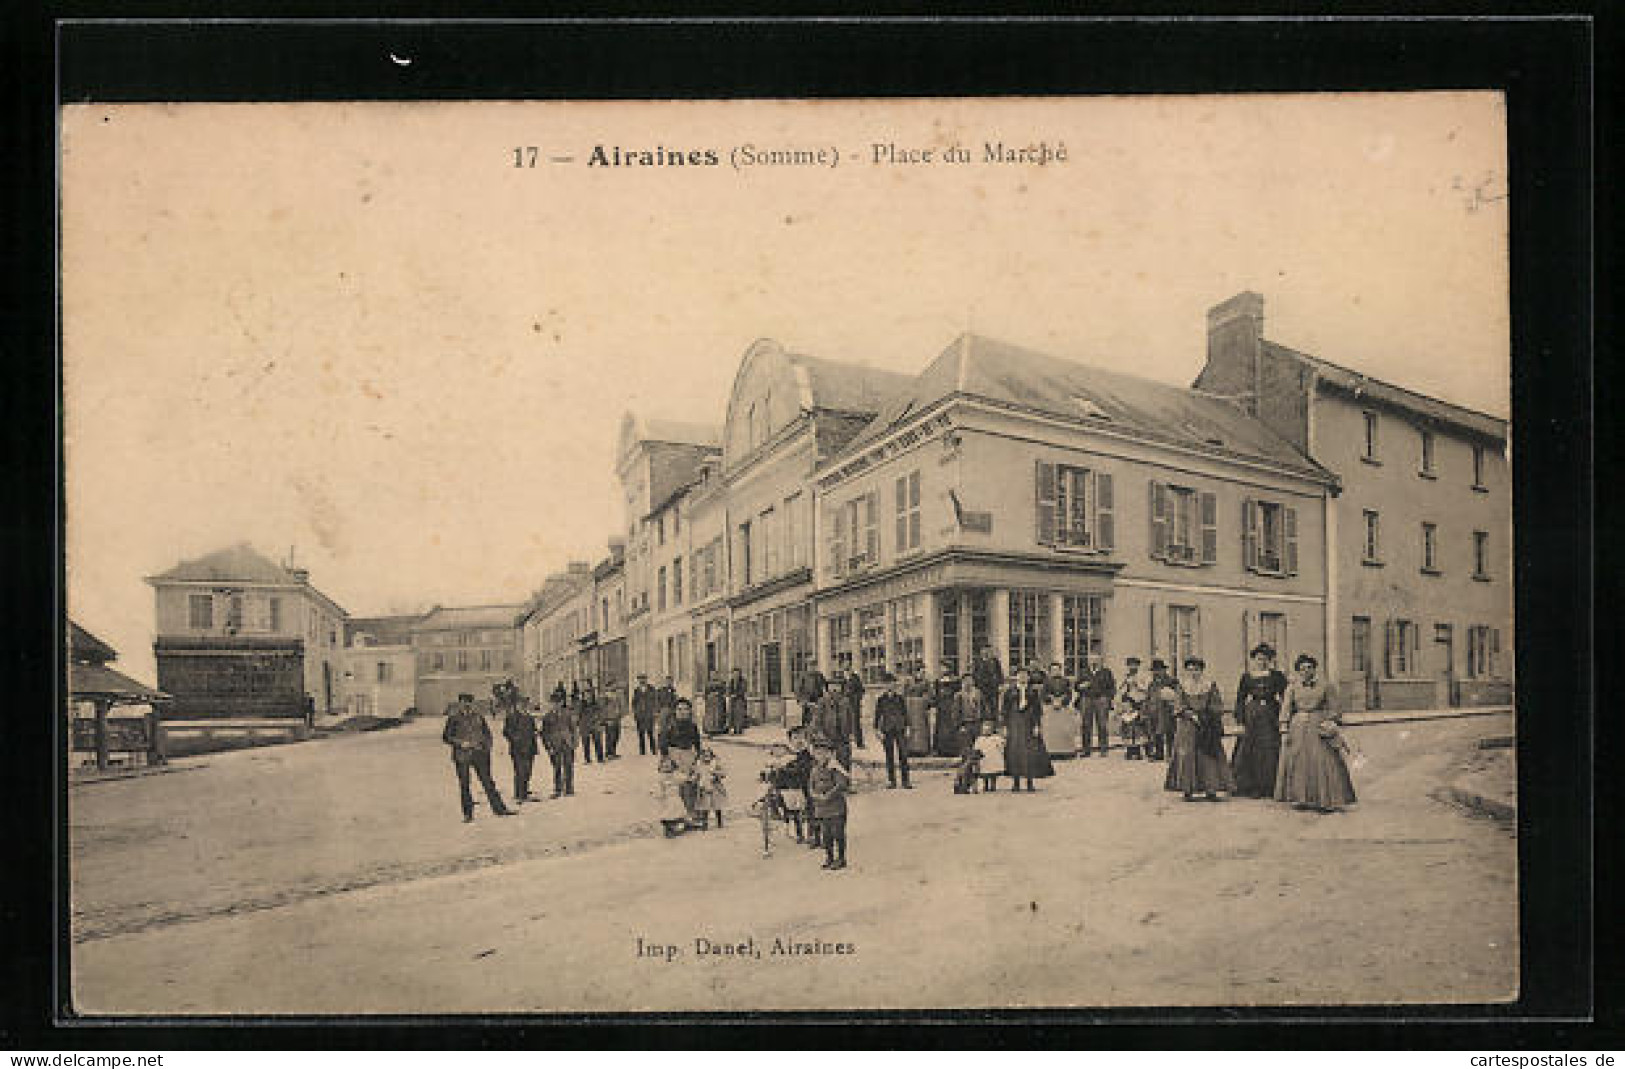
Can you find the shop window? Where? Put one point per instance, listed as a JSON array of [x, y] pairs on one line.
[[1081, 632], [948, 631], [1184, 525], [200, 612], [1269, 537], [872, 643], [907, 499], [840, 642], [908, 635], [1029, 629]]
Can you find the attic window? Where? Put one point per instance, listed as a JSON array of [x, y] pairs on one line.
[[1091, 410], [1213, 440]]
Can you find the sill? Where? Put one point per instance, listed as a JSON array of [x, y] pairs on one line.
[[1373, 461], [1427, 475], [1431, 571], [1372, 563], [1481, 579], [1477, 489]]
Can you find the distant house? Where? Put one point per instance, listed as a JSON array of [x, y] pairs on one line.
[[464, 649], [380, 666], [239, 635]]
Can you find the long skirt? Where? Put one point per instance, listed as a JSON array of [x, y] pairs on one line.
[[919, 727], [716, 714], [1025, 754], [1192, 769], [1061, 728], [946, 738], [1312, 771], [1256, 756]]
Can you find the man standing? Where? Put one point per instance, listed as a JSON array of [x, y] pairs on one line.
[[612, 711], [989, 678], [854, 704], [643, 714], [665, 712], [519, 728], [1095, 699], [559, 736], [808, 691], [831, 721], [592, 735], [736, 703], [469, 737], [891, 721]]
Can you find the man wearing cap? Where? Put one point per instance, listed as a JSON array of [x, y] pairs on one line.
[[891, 721], [519, 728], [1095, 693], [827, 786], [469, 737], [830, 723], [854, 714], [644, 701]]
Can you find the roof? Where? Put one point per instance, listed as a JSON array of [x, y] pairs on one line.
[[483, 616], [86, 648], [98, 681], [388, 630], [1364, 385], [1011, 376], [679, 432], [842, 387], [239, 563]]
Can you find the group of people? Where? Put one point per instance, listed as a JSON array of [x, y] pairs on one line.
[[805, 786]]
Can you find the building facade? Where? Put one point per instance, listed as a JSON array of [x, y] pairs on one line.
[[1045, 510], [1420, 583], [380, 666], [463, 649], [239, 635]]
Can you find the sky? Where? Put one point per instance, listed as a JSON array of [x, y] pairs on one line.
[[360, 334]]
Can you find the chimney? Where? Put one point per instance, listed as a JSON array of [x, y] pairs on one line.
[[1235, 335]]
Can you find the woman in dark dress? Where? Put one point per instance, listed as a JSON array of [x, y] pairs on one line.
[[1258, 711], [1025, 755], [715, 719], [1196, 761]]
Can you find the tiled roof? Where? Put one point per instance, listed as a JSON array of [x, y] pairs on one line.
[[483, 616], [843, 387], [86, 647], [679, 432], [1356, 383], [100, 681], [1014, 377], [387, 630], [239, 563]]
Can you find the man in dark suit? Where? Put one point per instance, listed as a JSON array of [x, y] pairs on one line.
[[1096, 692], [810, 688], [854, 705], [644, 701], [469, 737], [519, 728], [891, 721], [989, 678], [665, 712], [559, 736]]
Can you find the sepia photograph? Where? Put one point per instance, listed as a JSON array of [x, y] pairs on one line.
[[626, 557]]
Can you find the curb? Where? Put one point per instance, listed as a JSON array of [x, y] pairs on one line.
[[1476, 803], [1406, 716]]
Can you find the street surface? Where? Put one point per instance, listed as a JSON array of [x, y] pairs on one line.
[[337, 877]]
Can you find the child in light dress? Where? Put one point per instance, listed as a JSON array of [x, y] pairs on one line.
[[990, 750], [668, 794], [709, 793]]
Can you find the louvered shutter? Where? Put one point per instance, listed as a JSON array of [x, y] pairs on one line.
[[1249, 534], [1247, 642], [1495, 650], [1151, 618], [871, 528], [1388, 650], [1105, 536], [902, 514], [1210, 529], [837, 541], [1158, 497], [1414, 661], [1045, 494], [1291, 528]]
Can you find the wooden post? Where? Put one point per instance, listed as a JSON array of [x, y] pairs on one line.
[[101, 735]]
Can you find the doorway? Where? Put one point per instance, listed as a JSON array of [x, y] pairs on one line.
[[1444, 641]]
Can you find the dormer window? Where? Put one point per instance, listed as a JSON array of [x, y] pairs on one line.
[[1090, 410]]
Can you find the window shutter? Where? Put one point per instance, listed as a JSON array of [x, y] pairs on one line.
[[1105, 538], [902, 514], [1247, 642], [1249, 534], [1158, 497], [1495, 649], [1291, 528], [837, 543], [1413, 662], [871, 532], [1388, 649], [1210, 529], [1045, 495], [1151, 610]]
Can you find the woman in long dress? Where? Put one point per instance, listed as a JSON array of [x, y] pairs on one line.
[[1196, 761], [1025, 755], [1258, 711], [1313, 774]]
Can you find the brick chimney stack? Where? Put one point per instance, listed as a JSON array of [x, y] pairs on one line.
[[1235, 349]]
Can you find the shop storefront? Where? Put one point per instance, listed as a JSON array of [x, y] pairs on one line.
[[773, 648]]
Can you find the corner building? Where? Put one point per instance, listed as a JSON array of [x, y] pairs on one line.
[[1044, 509]]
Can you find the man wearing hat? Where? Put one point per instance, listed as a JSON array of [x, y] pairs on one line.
[[1095, 693], [644, 701], [519, 728], [469, 737], [827, 785], [830, 722], [891, 721], [1164, 692]]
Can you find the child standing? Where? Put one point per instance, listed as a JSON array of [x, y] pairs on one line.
[[827, 784], [668, 794], [789, 783], [990, 754], [709, 793], [800, 768], [967, 772]]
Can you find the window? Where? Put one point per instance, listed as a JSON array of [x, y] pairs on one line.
[[1373, 539], [840, 642], [660, 529], [948, 630], [660, 590], [872, 642], [1427, 455], [676, 522], [1081, 632], [487, 660], [747, 574], [437, 661], [1272, 629], [1184, 635], [273, 614], [1483, 646], [1269, 537], [908, 634], [855, 535], [907, 498], [1029, 629], [507, 660], [1481, 555], [768, 525], [1074, 507], [1478, 468], [462, 660], [1430, 548], [1370, 454], [200, 611], [1184, 525], [1360, 651], [676, 581], [1403, 648], [234, 613], [794, 552], [606, 613], [382, 671]]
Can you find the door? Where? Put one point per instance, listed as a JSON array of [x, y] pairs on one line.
[[327, 687], [1362, 679], [1444, 641], [1182, 636], [772, 670]]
